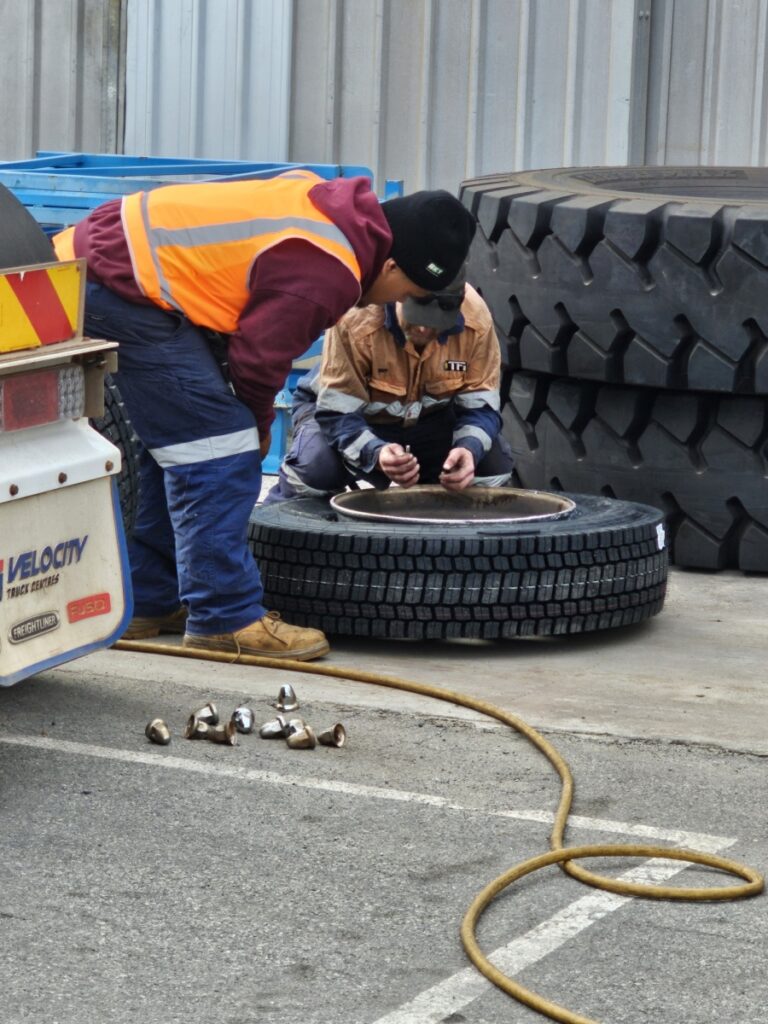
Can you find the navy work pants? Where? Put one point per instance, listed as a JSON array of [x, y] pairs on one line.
[[200, 468]]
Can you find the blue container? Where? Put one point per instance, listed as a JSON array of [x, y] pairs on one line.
[[59, 189]]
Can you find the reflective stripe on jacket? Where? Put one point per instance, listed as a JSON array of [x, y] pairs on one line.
[[64, 244], [193, 246]]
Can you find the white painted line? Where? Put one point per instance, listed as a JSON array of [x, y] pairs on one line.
[[161, 759], [456, 992], [452, 995], [680, 837]]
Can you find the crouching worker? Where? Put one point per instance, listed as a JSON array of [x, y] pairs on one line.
[[269, 265], [405, 394]]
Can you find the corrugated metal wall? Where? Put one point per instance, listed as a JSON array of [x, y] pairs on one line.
[[431, 91], [61, 75], [208, 78], [708, 93]]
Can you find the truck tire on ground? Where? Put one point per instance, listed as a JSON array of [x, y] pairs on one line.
[[702, 458], [603, 566], [116, 427], [641, 275]]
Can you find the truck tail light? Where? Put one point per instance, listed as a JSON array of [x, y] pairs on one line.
[[43, 396]]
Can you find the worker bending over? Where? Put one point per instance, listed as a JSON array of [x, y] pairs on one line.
[[268, 264]]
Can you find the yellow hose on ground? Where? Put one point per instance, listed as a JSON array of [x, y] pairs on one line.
[[559, 854]]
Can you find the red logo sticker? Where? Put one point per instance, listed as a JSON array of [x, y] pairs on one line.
[[89, 607]]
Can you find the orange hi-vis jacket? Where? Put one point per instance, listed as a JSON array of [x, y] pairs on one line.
[[193, 246]]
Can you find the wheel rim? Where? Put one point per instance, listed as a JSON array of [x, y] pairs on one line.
[[434, 504]]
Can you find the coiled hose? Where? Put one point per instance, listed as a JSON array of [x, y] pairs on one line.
[[558, 854]]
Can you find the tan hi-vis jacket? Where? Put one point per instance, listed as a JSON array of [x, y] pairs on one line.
[[180, 235], [367, 378], [361, 362]]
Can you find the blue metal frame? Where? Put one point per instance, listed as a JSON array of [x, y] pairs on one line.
[[60, 189]]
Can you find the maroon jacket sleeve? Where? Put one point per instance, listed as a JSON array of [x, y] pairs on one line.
[[296, 292]]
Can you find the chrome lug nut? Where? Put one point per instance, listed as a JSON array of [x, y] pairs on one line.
[[294, 725], [196, 728], [286, 699], [335, 736], [226, 732], [275, 729], [242, 716], [158, 732], [302, 739], [208, 714]]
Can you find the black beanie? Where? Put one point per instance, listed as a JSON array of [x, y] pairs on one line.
[[431, 234]]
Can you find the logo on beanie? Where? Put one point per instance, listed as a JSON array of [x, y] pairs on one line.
[[434, 269]]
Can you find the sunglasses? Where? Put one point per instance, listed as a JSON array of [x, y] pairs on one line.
[[445, 302]]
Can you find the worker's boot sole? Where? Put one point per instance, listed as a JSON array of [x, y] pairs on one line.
[[229, 646]]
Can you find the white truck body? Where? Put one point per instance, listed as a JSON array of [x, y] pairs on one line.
[[64, 578]]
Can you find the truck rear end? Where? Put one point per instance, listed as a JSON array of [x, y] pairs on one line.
[[64, 578]]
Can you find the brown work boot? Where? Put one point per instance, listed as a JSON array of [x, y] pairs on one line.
[[143, 626], [269, 637]]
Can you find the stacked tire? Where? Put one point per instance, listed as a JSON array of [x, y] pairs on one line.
[[632, 308]]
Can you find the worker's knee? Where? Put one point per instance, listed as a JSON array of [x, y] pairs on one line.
[[312, 461], [324, 472]]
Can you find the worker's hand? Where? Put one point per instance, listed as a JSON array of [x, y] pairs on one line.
[[264, 444], [399, 465], [458, 469]]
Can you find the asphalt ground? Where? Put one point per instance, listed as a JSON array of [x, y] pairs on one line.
[[197, 882]]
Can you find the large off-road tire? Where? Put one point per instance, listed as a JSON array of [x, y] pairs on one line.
[[604, 565], [702, 458], [642, 275]]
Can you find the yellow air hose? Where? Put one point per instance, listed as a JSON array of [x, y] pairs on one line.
[[559, 854]]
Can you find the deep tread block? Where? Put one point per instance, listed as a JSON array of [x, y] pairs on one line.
[[587, 277], [701, 458]]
